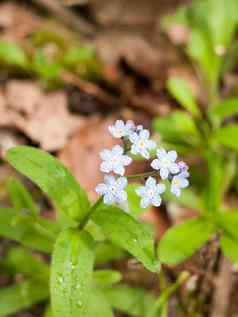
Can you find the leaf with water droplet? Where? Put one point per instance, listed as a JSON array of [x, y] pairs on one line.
[[53, 178], [71, 273], [129, 234]]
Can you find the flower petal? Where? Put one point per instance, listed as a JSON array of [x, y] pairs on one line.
[[144, 134], [141, 191], [108, 199], [101, 188], [117, 150], [151, 144], [109, 180], [156, 164], [145, 202], [119, 169], [164, 173], [121, 182], [172, 155], [151, 182], [161, 188], [174, 168], [134, 137], [106, 167], [121, 195], [126, 160], [105, 154], [156, 201], [161, 154]]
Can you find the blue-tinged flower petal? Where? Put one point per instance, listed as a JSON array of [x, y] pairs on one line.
[[172, 155], [144, 134], [156, 164], [122, 182], [150, 182], [119, 169], [174, 168], [156, 201], [106, 167], [161, 188], [164, 173], [145, 202]]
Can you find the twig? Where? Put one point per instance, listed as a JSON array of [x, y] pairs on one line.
[[76, 22], [223, 288]]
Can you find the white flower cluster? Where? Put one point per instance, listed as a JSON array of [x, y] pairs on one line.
[[116, 159]]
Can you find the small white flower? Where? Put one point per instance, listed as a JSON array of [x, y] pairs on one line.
[[179, 181], [121, 129], [165, 163], [150, 193], [113, 190], [114, 160], [141, 144], [182, 166]]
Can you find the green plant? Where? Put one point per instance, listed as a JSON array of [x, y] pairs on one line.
[[207, 134], [76, 244]]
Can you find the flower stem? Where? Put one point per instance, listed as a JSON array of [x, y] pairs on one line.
[[91, 211], [143, 175]]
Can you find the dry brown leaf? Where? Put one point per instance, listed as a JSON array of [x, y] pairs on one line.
[[43, 117]]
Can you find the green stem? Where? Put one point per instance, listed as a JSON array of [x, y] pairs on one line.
[[91, 211], [143, 175]]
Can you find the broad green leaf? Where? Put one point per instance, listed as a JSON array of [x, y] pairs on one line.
[[229, 247], [20, 197], [106, 252], [200, 48], [98, 305], [177, 127], [133, 301], [12, 54], [128, 233], [21, 296], [181, 241], [213, 191], [38, 234], [228, 221], [18, 260], [222, 21], [228, 136], [226, 108], [71, 273], [53, 178], [104, 278], [134, 201], [180, 90]]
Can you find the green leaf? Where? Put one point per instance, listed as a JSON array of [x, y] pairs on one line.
[[20, 197], [13, 54], [228, 222], [177, 127], [180, 90], [71, 273], [98, 305], [229, 247], [222, 21], [104, 278], [106, 252], [133, 301], [53, 178], [37, 234], [228, 136], [200, 48], [134, 201], [21, 296], [181, 241], [18, 260], [226, 108], [129, 234], [213, 192]]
